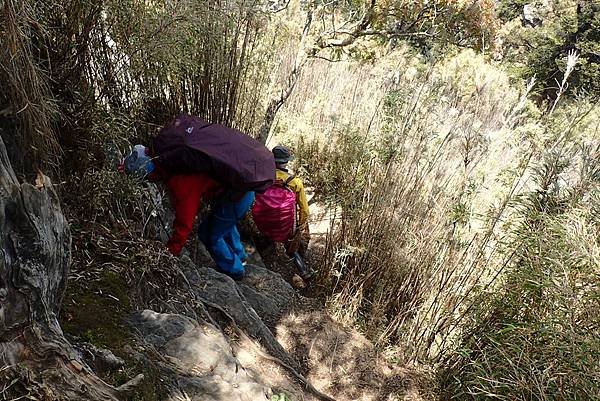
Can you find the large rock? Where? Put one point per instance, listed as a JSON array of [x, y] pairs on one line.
[[201, 356], [267, 292], [213, 287], [159, 328]]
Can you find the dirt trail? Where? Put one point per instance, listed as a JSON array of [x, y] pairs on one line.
[[337, 360]]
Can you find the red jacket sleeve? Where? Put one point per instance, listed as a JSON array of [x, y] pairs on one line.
[[186, 193]]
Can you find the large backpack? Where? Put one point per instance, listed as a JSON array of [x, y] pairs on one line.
[[191, 145], [274, 211]]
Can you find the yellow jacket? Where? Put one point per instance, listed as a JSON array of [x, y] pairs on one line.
[[301, 201]]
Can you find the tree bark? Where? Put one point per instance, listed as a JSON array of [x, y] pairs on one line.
[[35, 244]]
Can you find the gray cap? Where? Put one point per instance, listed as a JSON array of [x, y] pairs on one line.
[[282, 154]]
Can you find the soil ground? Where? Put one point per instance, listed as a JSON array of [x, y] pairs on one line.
[[337, 360]]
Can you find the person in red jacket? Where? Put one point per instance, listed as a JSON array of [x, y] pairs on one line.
[[218, 231], [187, 192]]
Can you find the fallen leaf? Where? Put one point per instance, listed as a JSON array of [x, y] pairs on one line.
[[39, 180], [297, 282]]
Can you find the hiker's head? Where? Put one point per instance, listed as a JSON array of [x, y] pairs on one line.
[[138, 162], [282, 155]]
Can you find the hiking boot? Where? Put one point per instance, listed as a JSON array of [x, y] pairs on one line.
[[305, 272], [237, 276]]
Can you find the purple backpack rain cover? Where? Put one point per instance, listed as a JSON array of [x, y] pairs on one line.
[[190, 145]]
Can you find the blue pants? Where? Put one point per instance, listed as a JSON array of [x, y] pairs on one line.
[[220, 236]]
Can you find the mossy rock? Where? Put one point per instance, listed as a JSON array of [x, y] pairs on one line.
[[95, 311]]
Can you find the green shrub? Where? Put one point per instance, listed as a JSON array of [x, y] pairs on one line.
[[569, 25], [510, 9]]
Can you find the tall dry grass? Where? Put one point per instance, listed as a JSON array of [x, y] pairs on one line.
[[407, 186], [25, 90], [426, 185], [534, 335]]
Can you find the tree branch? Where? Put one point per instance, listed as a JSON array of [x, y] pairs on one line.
[[276, 103]]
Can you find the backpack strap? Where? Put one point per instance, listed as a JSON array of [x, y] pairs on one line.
[[286, 186], [288, 180]]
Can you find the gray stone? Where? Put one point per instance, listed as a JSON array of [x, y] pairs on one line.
[[159, 328], [202, 357], [214, 389], [99, 359], [267, 292], [219, 289]]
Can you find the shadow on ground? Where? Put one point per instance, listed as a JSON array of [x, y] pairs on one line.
[[337, 360]]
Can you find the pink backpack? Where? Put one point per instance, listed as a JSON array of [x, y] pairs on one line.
[[274, 211]]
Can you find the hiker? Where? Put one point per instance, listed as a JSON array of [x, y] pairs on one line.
[[199, 161], [281, 212]]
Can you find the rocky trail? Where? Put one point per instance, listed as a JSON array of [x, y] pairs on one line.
[[192, 334]]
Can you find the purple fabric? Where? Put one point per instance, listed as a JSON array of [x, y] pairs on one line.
[[191, 145]]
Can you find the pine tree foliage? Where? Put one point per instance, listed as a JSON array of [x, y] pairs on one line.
[[567, 25]]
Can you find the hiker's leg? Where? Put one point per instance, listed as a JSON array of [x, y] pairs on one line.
[[241, 208], [222, 253], [227, 261], [244, 204], [293, 250], [292, 244], [204, 231], [214, 233], [204, 237], [304, 240], [221, 237], [224, 238], [234, 241]]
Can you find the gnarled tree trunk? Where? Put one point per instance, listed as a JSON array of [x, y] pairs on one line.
[[35, 254]]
